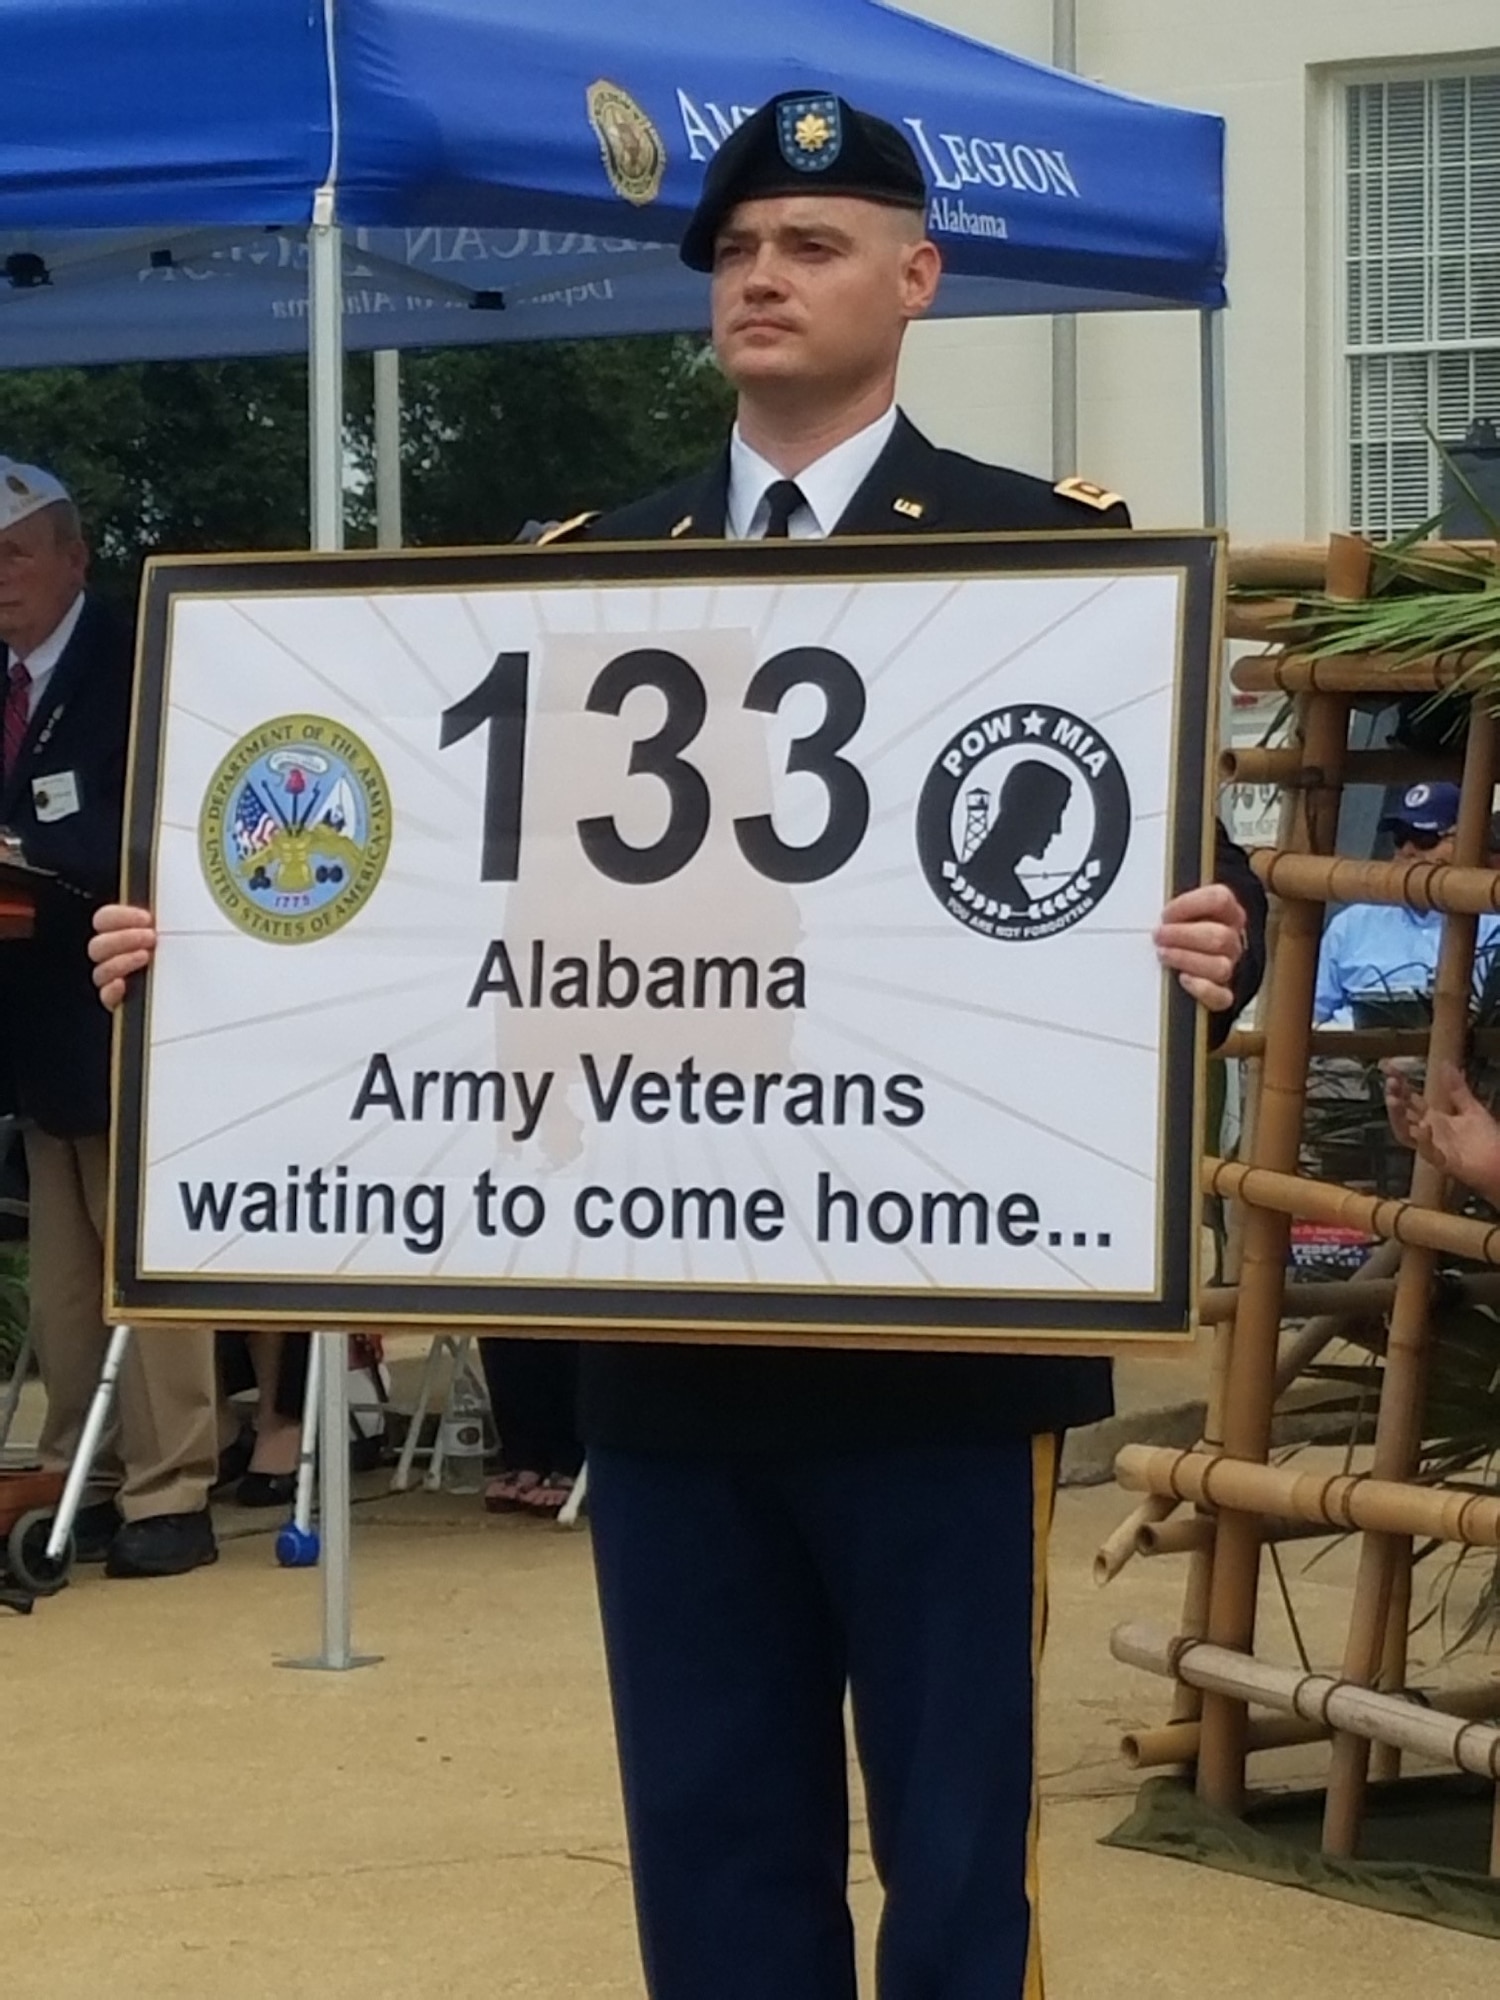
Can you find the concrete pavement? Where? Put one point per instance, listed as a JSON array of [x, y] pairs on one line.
[[186, 1821]]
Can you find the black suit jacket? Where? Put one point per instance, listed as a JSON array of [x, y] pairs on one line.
[[738, 1399], [54, 1035], [939, 492]]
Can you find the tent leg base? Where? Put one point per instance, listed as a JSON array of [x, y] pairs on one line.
[[317, 1664]]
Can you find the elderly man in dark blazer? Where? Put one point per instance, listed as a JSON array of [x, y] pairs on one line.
[[66, 718]]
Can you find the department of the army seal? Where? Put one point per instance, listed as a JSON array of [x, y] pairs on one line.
[[634, 157], [294, 829], [1023, 822]]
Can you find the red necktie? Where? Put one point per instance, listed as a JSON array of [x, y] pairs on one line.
[[17, 712]]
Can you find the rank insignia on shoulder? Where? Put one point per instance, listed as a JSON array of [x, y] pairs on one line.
[[680, 528], [1091, 495], [912, 509], [564, 529]]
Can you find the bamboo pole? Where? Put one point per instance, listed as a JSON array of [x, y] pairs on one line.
[[1249, 1391], [1177, 1742], [1337, 1499], [1119, 1545], [1262, 618], [1385, 1758], [1379, 674], [1302, 1347], [1356, 1044], [1292, 829], [1261, 765], [1305, 566], [1187, 1703], [1279, 566], [1178, 1535], [1359, 1297], [1351, 567], [1375, 1215], [1345, 1298], [1385, 1718], [1378, 1625], [1187, 1534], [1468, 889]]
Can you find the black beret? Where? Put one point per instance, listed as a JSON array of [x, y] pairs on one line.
[[805, 142]]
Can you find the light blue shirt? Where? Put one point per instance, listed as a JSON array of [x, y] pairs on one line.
[[1372, 951]]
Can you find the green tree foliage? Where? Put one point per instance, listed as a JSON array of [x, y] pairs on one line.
[[496, 437], [168, 456], [189, 456]]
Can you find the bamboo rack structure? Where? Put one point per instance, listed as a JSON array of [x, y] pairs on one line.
[[1220, 1505]]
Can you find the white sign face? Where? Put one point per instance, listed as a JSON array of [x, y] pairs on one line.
[[665, 941]]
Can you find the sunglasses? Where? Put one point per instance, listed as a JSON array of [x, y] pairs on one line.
[[1420, 836]]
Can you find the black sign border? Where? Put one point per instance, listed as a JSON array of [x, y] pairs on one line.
[[969, 1320]]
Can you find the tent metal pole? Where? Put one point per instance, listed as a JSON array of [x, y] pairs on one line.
[[1213, 419], [388, 529], [337, 1655], [1065, 461], [326, 374], [1065, 456]]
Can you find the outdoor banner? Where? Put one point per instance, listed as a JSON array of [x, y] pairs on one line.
[[703, 941]]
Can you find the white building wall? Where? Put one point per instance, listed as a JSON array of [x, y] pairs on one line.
[[984, 386], [1272, 69]]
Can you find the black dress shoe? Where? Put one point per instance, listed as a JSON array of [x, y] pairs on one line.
[[266, 1489], [94, 1530], [163, 1545]]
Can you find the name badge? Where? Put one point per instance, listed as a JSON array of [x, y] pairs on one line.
[[55, 796]]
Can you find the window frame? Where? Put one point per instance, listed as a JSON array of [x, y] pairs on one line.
[[1330, 496]]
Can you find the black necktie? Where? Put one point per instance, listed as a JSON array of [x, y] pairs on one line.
[[784, 498]]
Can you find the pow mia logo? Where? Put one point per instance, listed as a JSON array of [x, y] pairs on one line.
[[634, 157], [294, 829], [1023, 822], [810, 131]]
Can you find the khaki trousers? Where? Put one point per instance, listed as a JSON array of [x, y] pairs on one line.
[[160, 1451]]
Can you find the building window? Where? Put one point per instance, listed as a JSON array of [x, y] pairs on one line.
[[1422, 287]]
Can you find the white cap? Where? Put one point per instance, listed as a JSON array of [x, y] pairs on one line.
[[26, 490]]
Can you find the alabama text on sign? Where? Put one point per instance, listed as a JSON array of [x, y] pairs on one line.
[[728, 942]]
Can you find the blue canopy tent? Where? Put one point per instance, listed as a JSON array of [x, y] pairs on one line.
[[191, 178], [179, 178]]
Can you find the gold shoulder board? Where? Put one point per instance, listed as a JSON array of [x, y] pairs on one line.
[[565, 528], [1090, 494]]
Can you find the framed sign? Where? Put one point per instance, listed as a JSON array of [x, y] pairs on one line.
[[698, 941]]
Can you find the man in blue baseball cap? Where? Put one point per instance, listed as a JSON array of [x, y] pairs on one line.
[[1375, 953]]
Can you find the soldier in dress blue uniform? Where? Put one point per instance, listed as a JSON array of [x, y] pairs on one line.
[[774, 1529]]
